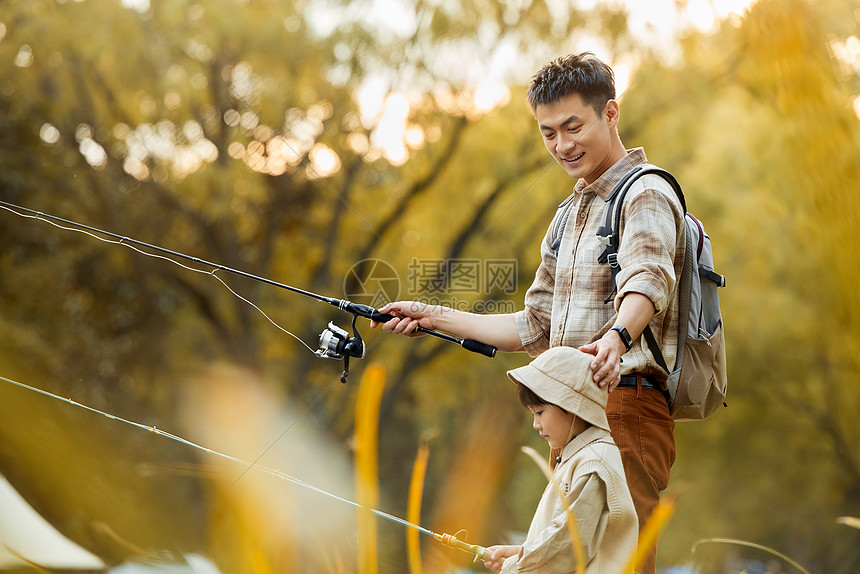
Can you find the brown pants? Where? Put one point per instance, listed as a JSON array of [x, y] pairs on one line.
[[643, 429]]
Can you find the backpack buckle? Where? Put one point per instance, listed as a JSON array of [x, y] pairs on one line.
[[604, 240], [612, 259]]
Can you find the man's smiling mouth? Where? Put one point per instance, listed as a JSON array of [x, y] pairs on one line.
[[573, 159]]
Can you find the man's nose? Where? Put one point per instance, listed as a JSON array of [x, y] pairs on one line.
[[565, 144]]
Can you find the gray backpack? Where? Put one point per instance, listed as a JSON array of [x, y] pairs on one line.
[[697, 385]]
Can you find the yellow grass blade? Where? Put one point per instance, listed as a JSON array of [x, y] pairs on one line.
[[366, 467], [571, 519], [648, 536], [413, 512]]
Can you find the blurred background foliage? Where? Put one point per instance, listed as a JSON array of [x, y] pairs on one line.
[[304, 141]]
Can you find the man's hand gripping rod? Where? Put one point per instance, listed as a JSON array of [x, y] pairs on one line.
[[374, 315]]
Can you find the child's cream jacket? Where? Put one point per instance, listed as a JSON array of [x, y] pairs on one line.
[[592, 477]]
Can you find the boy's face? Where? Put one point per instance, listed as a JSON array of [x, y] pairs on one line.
[[579, 140], [553, 423]]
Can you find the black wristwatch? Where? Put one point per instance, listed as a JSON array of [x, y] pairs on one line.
[[625, 336]]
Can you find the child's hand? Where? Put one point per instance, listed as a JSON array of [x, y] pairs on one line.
[[495, 556]]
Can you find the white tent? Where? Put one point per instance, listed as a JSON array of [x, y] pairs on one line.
[[26, 536]]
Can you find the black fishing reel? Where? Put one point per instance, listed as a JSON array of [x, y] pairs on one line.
[[335, 343]]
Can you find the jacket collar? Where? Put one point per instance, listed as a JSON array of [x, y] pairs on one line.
[[603, 185], [582, 440]]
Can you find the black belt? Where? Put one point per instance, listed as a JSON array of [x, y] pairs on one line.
[[647, 382]]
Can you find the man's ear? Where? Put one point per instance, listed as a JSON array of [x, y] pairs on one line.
[[613, 113]]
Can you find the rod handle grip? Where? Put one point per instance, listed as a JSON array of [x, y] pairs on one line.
[[380, 317], [365, 311], [468, 344], [453, 542], [479, 347]]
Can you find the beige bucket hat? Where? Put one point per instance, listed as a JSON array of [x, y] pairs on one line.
[[562, 376]]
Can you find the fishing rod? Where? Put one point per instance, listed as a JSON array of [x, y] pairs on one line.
[[447, 539], [334, 342]]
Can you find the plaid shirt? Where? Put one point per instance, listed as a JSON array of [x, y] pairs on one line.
[[564, 305]]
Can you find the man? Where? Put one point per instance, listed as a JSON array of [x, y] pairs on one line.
[[573, 101]]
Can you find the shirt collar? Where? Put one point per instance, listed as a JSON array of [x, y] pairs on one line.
[[582, 440], [603, 185]]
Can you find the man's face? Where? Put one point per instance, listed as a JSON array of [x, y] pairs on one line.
[[579, 139]]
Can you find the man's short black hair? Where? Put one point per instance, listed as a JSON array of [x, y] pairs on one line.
[[582, 74], [528, 397]]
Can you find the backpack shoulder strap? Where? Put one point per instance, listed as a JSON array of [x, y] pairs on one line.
[[610, 236], [559, 222], [608, 233]]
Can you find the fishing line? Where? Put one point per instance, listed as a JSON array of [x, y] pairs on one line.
[[285, 431], [335, 343], [125, 242], [446, 539]]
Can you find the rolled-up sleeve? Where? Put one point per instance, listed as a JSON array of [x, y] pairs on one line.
[[553, 545]]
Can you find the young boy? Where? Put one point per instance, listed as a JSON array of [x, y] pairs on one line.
[[569, 412]]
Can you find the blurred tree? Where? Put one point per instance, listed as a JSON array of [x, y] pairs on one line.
[[772, 171]]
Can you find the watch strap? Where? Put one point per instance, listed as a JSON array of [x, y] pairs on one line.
[[625, 336]]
